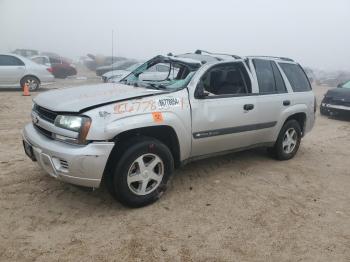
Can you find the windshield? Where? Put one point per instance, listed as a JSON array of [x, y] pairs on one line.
[[133, 67], [161, 73], [346, 85]]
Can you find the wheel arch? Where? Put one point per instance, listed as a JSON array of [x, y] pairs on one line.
[[300, 117], [29, 75], [164, 133]]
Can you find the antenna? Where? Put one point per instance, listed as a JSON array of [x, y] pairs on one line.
[[112, 49]]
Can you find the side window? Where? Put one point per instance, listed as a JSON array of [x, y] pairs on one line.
[[296, 77], [227, 79], [54, 60], [280, 86], [39, 60], [162, 68], [264, 73], [7, 60]]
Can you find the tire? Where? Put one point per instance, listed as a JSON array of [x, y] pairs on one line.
[[323, 111], [287, 146], [131, 181], [32, 81]]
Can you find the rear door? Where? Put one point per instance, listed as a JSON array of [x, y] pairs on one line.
[[226, 118], [11, 70], [273, 96]]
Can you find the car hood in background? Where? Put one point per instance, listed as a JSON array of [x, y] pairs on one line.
[[116, 73], [79, 98], [339, 94]]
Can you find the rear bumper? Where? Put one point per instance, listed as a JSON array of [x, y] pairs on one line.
[[79, 165]]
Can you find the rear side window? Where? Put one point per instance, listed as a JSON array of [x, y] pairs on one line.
[[280, 86], [265, 76], [54, 60], [7, 60], [296, 77], [269, 77]]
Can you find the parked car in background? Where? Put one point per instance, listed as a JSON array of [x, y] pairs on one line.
[[26, 52], [337, 101], [16, 71], [134, 133], [93, 61], [156, 72], [60, 68], [120, 65], [115, 75]]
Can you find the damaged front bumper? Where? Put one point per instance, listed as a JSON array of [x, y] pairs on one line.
[[79, 165]]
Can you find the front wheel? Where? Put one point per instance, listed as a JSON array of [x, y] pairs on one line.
[[288, 141], [141, 175], [32, 82]]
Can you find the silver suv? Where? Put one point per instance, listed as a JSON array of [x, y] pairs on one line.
[[134, 133]]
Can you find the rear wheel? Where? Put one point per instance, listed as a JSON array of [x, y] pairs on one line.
[[32, 82], [288, 141], [142, 172]]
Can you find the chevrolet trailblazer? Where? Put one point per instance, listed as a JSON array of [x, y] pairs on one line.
[[132, 134]]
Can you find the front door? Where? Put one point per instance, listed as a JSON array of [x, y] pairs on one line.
[[226, 117]]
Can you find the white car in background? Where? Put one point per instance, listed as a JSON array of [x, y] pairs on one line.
[[157, 72], [116, 75], [15, 71]]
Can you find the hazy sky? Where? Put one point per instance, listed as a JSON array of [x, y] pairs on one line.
[[314, 32]]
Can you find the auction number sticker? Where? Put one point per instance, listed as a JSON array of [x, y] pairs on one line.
[[168, 102]]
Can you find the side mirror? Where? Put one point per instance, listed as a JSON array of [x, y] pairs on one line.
[[339, 85], [200, 92]]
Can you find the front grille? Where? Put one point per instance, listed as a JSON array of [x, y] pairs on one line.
[[45, 114], [44, 131]]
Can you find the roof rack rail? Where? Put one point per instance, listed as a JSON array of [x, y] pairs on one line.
[[199, 52], [278, 57]]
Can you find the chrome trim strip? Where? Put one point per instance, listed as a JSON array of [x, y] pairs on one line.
[[232, 130]]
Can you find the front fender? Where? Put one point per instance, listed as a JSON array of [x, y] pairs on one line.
[[111, 120]]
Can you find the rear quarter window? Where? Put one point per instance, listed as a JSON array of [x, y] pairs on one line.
[[296, 77]]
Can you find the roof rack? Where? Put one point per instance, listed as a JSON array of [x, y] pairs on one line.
[[278, 57], [199, 52]]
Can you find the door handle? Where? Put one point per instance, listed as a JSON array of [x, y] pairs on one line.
[[248, 107], [286, 102]]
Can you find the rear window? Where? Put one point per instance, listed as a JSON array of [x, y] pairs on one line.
[[296, 76]]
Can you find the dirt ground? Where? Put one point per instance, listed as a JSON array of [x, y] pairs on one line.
[[240, 207]]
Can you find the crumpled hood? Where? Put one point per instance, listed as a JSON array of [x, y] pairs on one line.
[[75, 99], [339, 93]]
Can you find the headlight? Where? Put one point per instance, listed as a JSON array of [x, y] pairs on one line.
[[80, 124]]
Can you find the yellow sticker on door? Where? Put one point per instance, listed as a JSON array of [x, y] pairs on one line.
[[157, 117]]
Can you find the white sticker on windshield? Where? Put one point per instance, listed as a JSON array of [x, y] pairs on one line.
[[168, 102]]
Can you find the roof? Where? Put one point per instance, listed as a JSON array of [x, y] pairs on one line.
[[272, 58]]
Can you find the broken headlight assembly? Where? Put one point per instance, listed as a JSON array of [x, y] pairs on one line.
[[79, 124]]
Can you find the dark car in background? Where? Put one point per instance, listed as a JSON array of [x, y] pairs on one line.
[[336, 102], [120, 65], [60, 68]]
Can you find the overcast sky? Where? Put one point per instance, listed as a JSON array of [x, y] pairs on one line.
[[314, 32]]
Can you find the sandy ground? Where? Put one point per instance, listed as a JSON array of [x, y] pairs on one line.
[[240, 207]]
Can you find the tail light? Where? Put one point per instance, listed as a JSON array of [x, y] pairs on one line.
[[49, 69]]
